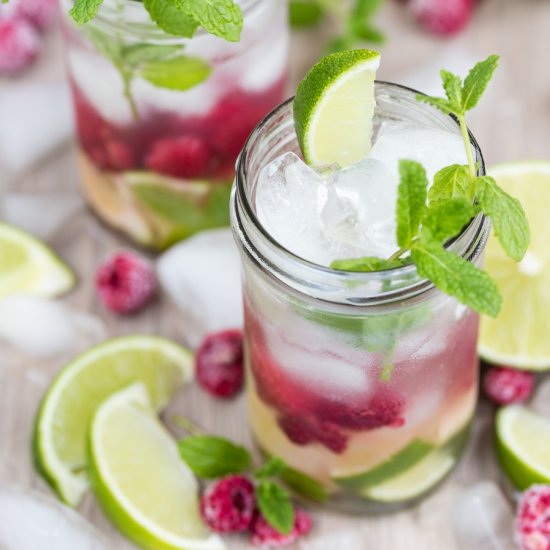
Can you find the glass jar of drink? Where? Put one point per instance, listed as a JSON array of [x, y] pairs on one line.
[[161, 119], [366, 381]]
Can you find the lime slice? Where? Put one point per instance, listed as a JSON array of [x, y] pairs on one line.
[[415, 481], [394, 466], [518, 336], [334, 108], [142, 484], [28, 265], [64, 415], [523, 445]]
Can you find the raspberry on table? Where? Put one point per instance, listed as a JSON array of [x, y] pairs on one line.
[[442, 17], [505, 385], [229, 505], [264, 536], [19, 45], [219, 363], [533, 519], [125, 282]]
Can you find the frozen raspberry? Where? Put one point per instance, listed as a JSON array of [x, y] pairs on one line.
[[229, 505], [19, 44], [302, 431], [219, 363], [183, 157], [504, 385], [119, 156], [533, 519], [442, 17], [41, 13], [125, 282], [264, 536], [331, 437]]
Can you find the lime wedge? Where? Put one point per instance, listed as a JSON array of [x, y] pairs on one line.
[[28, 265], [523, 445], [523, 285], [334, 108], [64, 416], [142, 484]]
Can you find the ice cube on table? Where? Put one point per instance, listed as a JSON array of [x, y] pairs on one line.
[[540, 403], [30, 520], [45, 328], [202, 276], [483, 519]]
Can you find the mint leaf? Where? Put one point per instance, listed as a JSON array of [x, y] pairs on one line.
[[411, 201], [367, 264], [451, 182], [171, 18], [304, 485], [178, 73], [446, 219], [453, 88], [275, 505], [305, 13], [273, 467], [223, 18], [509, 220], [211, 457], [476, 82], [367, 32], [438, 102], [137, 54], [84, 10], [456, 276], [365, 9]]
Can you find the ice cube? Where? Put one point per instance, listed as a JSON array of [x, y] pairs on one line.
[[202, 276], [27, 211], [30, 520], [337, 540], [482, 519], [540, 403], [45, 328], [35, 119]]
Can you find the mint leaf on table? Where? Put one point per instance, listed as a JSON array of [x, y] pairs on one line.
[[275, 505], [456, 276], [509, 220], [446, 219], [171, 18], [451, 182], [411, 201], [84, 10], [210, 457], [367, 264], [275, 466], [223, 18], [476, 82], [304, 485], [179, 73]]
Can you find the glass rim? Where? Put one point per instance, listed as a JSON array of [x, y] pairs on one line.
[[420, 285]]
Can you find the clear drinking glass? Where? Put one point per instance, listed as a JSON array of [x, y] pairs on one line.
[[366, 381], [161, 119]]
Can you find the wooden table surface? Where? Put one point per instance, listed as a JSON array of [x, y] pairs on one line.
[[513, 122]]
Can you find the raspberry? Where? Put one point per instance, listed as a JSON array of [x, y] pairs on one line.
[[442, 17], [19, 45], [41, 13], [264, 536], [219, 363], [504, 385], [119, 156], [229, 505], [125, 282], [302, 431], [182, 157], [533, 519]]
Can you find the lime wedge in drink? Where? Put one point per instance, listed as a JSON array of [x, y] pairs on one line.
[[523, 445], [28, 265], [142, 484], [67, 408], [518, 336], [334, 108]]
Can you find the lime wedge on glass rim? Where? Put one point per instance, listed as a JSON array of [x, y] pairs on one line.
[[142, 484], [64, 415], [334, 108], [28, 265]]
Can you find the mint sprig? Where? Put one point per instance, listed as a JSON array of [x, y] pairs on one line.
[[275, 505]]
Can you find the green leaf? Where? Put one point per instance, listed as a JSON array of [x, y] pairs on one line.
[[367, 264], [411, 201], [446, 219], [477, 80], [368, 33], [84, 10], [223, 18], [179, 73], [105, 44], [453, 88], [304, 485], [451, 182], [456, 276], [509, 220], [171, 18], [275, 505], [365, 9], [341, 43], [305, 13], [137, 54], [438, 102], [273, 467], [211, 457]]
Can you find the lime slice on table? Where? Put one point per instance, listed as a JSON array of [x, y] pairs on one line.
[[141, 482], [28, 265], [518, 336], [334, 108], [65, 412], [523, 445]]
